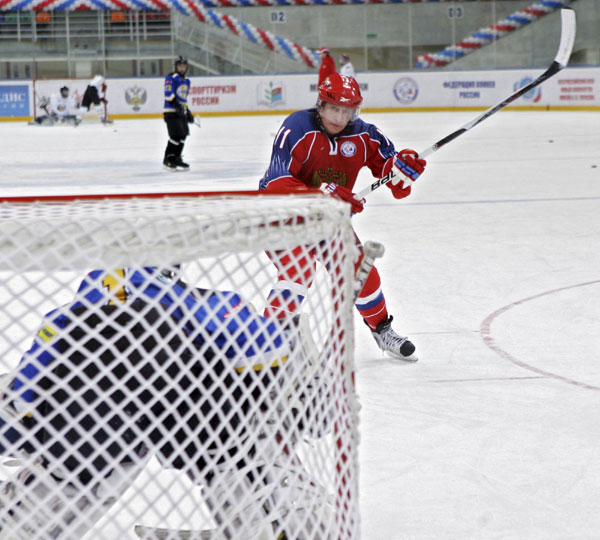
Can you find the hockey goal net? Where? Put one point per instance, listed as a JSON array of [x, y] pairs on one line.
[[143, 391]]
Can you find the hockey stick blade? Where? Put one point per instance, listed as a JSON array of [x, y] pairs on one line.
[[567, 38], [160, 533], [372, 250]]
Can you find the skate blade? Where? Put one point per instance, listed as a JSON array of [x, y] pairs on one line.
[[408, 359]]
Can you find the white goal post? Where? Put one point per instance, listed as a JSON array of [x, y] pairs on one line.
[[144, 393]]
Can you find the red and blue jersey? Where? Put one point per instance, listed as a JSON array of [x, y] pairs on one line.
[[304, 156], [326, 68], [177, 89]]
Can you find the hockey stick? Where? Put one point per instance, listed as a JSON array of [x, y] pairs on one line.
[[567, 38], [106, 119], [160, 533], [44, 107]]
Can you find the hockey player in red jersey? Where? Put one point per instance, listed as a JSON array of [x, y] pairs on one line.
[[325, 147], [327, 66]]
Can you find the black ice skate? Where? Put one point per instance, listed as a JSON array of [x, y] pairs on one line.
[[393, 344], [181, 165], [169, 164]]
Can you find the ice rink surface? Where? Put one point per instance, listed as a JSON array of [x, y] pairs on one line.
[[492, 267]]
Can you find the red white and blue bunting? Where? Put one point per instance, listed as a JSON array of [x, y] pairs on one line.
[[487, 35], [37, 5], [192, 8], [202, 10]]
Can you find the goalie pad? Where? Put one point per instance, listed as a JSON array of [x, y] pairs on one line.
[[42, 503], [265, 483], [250, 501]]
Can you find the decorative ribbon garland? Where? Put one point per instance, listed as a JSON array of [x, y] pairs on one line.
[[201, 9], [187, 7], [37, 5], [485, 36]]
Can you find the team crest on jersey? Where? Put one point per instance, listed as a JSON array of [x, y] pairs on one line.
[[348, 149], [182, 91], [328, 175]]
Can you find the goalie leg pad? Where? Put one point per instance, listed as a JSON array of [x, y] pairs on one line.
[[38, 504]]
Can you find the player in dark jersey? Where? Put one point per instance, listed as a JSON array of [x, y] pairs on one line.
[[138, 364], [326, 147], [177, 115]]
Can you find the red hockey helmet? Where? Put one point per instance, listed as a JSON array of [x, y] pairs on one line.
[[340, 90]]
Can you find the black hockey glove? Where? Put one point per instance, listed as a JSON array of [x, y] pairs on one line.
[[179, 109], [189, 116]]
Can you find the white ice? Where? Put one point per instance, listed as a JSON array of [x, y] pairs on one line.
[[492, 267]]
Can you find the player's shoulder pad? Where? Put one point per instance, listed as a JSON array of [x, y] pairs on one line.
[[371, 130], [299, 124], [360, 126], [304, 120]]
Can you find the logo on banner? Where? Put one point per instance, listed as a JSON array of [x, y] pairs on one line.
[[406, 90], [271, 93], [534, 95], [136, 97], [14, 100]]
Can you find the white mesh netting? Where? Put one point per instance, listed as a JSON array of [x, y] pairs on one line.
[[145, 393]]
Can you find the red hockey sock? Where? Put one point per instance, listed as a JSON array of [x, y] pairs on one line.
[[371, 302]]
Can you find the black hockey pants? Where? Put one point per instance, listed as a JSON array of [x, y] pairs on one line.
[[178, 129]]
